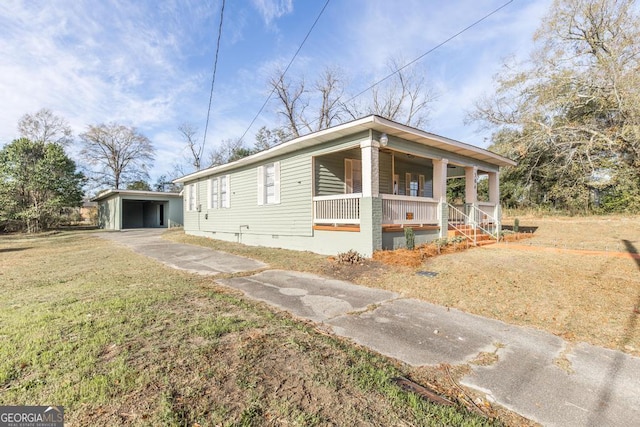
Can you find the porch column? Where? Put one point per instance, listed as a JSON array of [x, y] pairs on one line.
[[471, 192], [494, 187], [440, 194], [370, 168], [440, 178], [371, 203], [470, 185], [494, 197]]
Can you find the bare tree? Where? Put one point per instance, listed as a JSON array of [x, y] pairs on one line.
[[228, 151], [267, 138], [291, 101], [329, 87], [119, 153], [403, 97], [45, 127], [189, 133]]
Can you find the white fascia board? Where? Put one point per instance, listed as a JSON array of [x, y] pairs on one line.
[[372, 122]]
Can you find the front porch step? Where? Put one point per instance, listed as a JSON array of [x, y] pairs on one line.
[[481, 237]]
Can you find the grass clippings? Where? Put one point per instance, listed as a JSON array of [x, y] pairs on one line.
[[118, 339]]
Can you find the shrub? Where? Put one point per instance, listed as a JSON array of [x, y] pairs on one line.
[[516, 225], [410, 238]]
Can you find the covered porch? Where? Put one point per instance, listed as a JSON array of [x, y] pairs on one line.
[[385, 184]]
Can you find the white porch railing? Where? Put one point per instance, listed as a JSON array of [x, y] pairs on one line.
[[487, 212], [408, 210], [482, 216], [338, 209]]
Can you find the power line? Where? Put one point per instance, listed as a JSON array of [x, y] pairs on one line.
[[431, 50], [213, 80], [416, 59], [286, 69]]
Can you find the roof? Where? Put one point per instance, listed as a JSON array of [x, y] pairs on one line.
[[141, 194], [373, 122]]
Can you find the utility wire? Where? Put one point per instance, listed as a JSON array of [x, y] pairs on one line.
[[286, 69], [416, 59], [431, 50], [213, 81]]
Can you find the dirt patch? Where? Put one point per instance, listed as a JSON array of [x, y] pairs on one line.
[[417, 256], [364, 270]]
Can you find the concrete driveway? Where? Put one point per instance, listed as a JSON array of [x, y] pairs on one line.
[[194, 259], [535, 374]]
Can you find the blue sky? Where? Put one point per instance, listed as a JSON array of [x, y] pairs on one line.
[[148, 63]]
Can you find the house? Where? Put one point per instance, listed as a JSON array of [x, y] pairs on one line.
[[352, 186], [121, 209]]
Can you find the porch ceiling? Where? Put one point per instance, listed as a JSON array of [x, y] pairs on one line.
[[432, 140]]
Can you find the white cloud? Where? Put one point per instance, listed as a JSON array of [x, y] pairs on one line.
[[148, 64], [273, 9]]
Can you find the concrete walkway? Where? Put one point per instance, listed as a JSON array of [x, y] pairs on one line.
[[537, 374], [194, 259]]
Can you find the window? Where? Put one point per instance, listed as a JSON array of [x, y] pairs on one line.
[[414, 185], [214, 193], [192, 197], [353, 176], [218, 192], [269, 184]]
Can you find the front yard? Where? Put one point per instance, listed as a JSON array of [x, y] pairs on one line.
[[581, 297], [119, 339]]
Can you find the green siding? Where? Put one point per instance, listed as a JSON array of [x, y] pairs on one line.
[[385, 179], [329, 172], [289, 224], [108, 213], [402, 167], [293, 216]]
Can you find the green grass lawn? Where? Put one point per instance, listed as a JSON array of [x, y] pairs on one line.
[[119, 339]]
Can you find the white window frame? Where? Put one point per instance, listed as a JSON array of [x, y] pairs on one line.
[[409, 180], [213, 191], [352, 181], [263, 184], [192, 197], [225, 192]]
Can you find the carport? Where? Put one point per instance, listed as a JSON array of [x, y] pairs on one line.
[[123, 209]]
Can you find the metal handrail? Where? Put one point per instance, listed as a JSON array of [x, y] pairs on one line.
[[488, 223], [460, 217], [477, 219]]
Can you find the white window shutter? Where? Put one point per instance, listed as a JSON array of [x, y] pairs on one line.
[[260, 185], [407, 184], [276, 182], [209, 197]]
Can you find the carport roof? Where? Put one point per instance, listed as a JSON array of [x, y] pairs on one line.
[[141, 194]]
